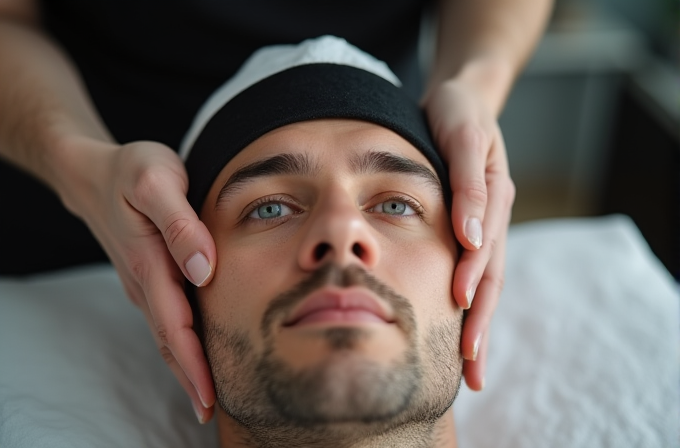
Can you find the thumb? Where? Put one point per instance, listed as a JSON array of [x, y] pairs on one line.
[[187, 238], [190, 243]]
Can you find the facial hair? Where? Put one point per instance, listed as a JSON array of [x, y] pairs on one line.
[[346, 398]]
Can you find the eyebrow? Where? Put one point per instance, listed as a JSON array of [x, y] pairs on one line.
[[374, 162], [281, 164]]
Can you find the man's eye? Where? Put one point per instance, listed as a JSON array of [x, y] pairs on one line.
[[394, 207], [270, 210]]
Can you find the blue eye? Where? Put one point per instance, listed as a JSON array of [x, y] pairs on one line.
[[270, 210], [394, 207]]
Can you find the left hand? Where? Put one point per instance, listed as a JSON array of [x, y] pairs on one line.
[[469, 139]]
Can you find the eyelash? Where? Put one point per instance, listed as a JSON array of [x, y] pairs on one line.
[[417, 208], [269, 200]]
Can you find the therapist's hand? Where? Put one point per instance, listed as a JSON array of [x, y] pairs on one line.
[[133, 198], [470, 141]]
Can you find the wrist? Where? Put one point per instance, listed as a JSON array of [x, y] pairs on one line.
[[491, 77], [77, 164]]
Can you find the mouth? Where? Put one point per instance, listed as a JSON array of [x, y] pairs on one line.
[[354, 305]]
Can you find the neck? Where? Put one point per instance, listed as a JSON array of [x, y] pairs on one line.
[[440, 434]]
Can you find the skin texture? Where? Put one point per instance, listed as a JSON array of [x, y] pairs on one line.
[[330, 383], [133, 196]]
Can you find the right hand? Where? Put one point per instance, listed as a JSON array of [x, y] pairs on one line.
[[470, 141], [133, 198]]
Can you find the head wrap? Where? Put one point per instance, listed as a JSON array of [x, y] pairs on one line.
[[319, 78]]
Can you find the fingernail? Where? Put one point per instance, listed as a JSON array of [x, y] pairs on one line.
[[470, 295], [198, 268], [475, 347], [473, 232], [199, 413], [203, 402]]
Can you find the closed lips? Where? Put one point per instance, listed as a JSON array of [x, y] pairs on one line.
[[340, 305]]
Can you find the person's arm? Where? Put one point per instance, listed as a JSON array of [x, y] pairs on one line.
[[482, 45], [487, 43], [131, 196], [42, 100]]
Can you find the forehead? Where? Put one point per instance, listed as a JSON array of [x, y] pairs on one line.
[[329, 143]]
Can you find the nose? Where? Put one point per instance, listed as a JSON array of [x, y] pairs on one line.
[[338, 232]]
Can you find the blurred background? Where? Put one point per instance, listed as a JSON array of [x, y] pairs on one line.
[[593, 124]]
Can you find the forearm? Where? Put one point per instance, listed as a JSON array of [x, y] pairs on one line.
[[486, 43], [43, 107]]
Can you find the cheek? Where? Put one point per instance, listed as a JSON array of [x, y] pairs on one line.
[[247, 277], [236, 295], [422, 271]]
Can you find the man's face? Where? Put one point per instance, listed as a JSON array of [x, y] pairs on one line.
[[331, 302]]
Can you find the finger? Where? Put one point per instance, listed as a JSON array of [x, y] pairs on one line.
[[473, 371], [469, 149], [136, 294], [490, 261], [472, 264], [479, 316], [160, 194], [203, 414], [132, 288], [173, 323], [474, 340]]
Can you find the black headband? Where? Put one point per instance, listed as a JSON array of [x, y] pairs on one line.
[[303, 93]]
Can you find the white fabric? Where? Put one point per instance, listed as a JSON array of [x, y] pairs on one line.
[[584, 352], [584, 345], [276, 58]]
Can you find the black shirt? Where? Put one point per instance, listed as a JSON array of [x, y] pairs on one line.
[[150, 64]]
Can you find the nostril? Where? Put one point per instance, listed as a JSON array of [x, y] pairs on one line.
[[358, 250], [321, 250]]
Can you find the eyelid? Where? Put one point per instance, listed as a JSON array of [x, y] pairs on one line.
[[271, 199], [415, 205], [297, 208], [283, 207]]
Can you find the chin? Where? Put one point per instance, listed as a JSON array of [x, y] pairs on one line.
[[344, 386], [317, 344]]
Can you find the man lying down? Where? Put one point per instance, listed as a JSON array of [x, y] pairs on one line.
[[330, 320]]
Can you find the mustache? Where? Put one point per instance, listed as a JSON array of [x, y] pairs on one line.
[[333, 275]]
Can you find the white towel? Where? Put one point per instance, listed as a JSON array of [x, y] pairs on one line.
[[584, 348], [584, 352]]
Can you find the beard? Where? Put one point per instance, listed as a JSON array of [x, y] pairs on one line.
[[346, 398]]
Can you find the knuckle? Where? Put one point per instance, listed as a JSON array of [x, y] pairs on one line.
[[163, 336], [492, 244], [470, 137], [148, 183], [476, 193], [167, 355], [177, 229], [139, 270]]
